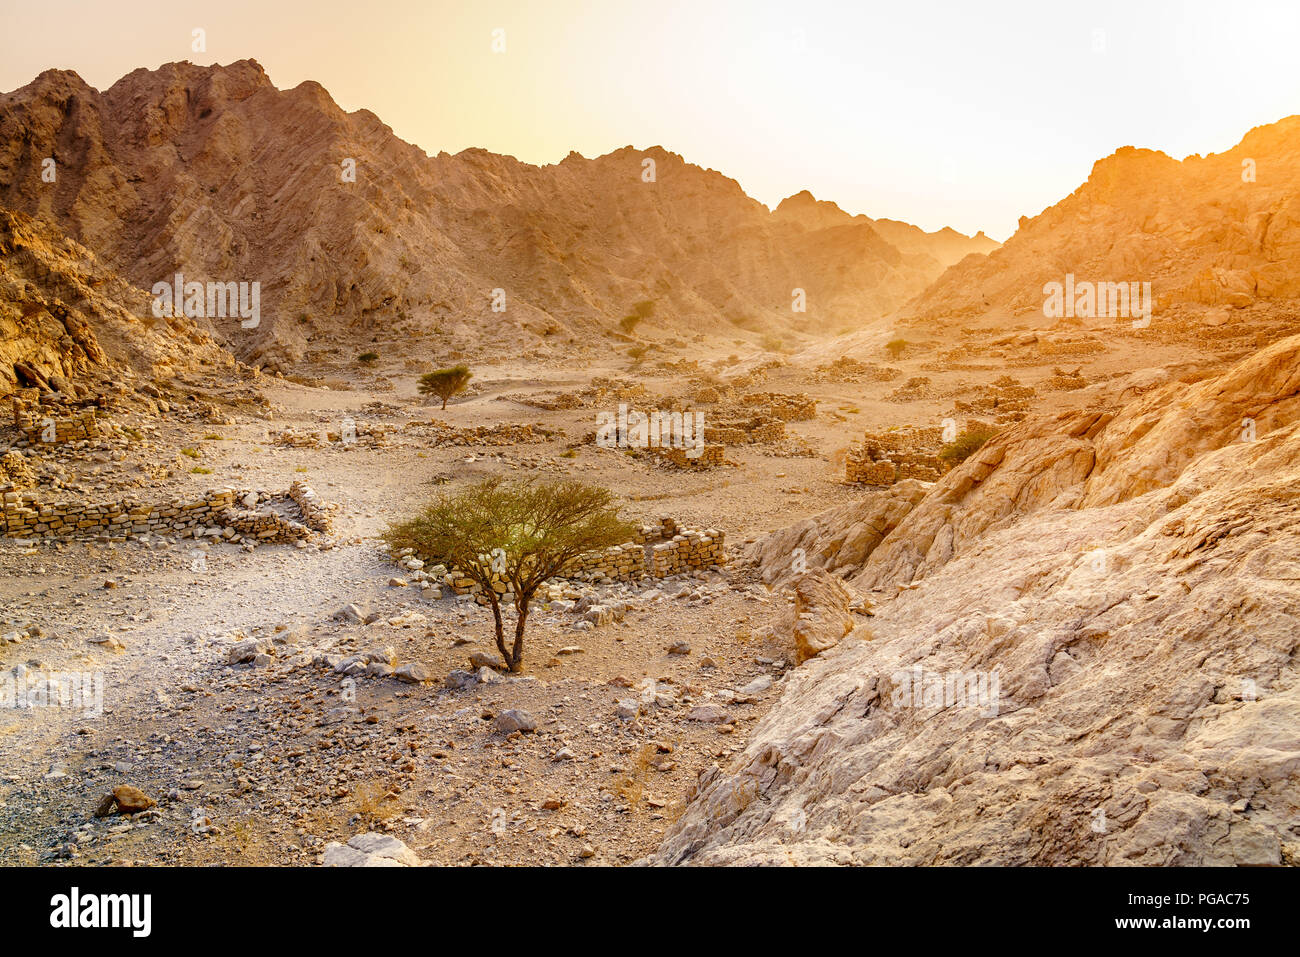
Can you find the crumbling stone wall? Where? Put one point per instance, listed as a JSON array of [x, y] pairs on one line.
[[39, 425], [1007, 400], [24, 515], [884, 458], [779, 405], [316, 515], [710, 457], [15, 471], [849, 369], [364, 434], [506, 433], [745, 431]]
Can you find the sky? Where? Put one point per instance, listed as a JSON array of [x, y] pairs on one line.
[[964, 114]]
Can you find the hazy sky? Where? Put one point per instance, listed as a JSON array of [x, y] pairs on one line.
[[965, 113]]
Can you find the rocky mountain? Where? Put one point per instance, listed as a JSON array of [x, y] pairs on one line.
[[1083, 650], [214, 173], [1219, 230], [67, 319]]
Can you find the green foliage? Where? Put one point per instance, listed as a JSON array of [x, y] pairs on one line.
[[368, 357], [519, 533], [966, 444], [445, 383]]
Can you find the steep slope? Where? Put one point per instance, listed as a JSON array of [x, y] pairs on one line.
[[1218, 230], [1093, 659], [213, 172], [66, 319]]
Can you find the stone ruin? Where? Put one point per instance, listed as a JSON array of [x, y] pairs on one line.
[[1062, 381], [915, 388], [848, 369], [505, 433], [15, 472], [234, 514], [1007, 400], [760, 418], [364, 434], [884, 458], [736, 431], [710, 457], [51, 420], [779, 405]]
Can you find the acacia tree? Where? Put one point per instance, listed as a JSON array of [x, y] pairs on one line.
[[445, 383], [517, 534]]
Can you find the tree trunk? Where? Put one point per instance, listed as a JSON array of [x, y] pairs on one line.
[[444, 403], [521, 609], [501, 631]]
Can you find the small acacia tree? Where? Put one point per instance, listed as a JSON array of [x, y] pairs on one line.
[[445, 383], [518, 534], [966, 444], [897, 347]]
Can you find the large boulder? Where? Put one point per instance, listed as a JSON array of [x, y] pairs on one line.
[[821, 613]]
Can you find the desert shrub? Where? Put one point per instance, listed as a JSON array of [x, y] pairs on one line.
[[967, 443], [896, 347], [368, 357], [445, 383]]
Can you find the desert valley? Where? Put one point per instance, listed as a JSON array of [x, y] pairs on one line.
[[919, 568]]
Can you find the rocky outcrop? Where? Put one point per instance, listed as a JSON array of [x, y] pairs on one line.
[[1092, 662], [66, 318], [838, 540], [821, 614]]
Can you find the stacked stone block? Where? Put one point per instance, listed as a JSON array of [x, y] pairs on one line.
[[23, 515], [884, 458], [779, 405], [38, 426]]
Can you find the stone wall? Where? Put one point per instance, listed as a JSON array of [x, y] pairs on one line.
[[363, 434], [316, 515], [745, 431], [779, 405], [711, 456], [884, 458], [24, 515], [15, 472], [39, 425]]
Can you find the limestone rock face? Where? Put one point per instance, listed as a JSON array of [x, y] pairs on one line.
[[1094, 661], [66, 317], [172, 169], [838, 540]]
